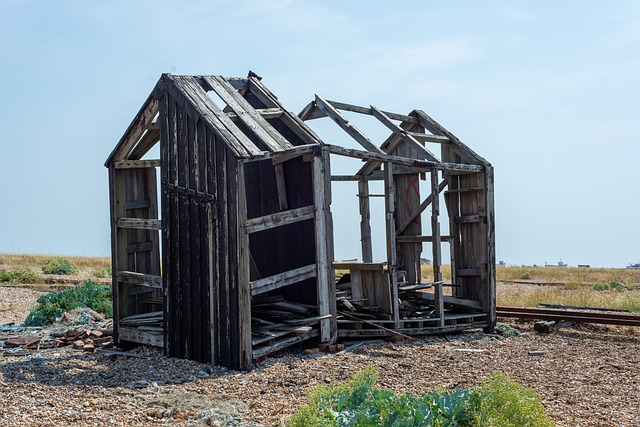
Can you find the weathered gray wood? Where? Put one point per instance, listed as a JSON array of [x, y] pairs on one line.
[[435, 244], [125, 164], [341, 121], [425, 137], [364, 110], [292, 153], [283, 343], [324, 269], [254, 121], [186, 88], [310, 112], [279, 219], [367, 155], [140, 223], [283, 279], [140, 337], [346, 265], [292, 121], [139, 279], [421, 208], [267, 113], [415, 239], [137, 204], [365, 221], [135, 130], [356, 178], [281, 184], [406, 137], [140, 247], [244, 262]]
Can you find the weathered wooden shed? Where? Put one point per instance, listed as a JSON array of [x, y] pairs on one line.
[[222, 247], [244, 196]]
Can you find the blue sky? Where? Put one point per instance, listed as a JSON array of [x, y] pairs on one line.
[[547, 91]]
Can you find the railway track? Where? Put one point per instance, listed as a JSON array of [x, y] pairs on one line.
[[569, 316]]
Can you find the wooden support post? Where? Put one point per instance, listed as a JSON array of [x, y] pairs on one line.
[[244, 263], [435, 232], [324, 280], [392, 250], [282, 186], [365, 221]]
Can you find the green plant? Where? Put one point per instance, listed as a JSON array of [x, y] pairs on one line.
[[526, 276], [102, 273], [24, 275], [505, 403], [618, 286], [358, 403], [88, 294], [601, 286], [59, 266]]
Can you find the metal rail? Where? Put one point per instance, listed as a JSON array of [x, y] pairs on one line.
[[569, 316]]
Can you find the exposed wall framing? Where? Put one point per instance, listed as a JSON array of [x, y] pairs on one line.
[[243, 225]]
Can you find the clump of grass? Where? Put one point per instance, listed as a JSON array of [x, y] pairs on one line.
[[102, 273], [59, 266], [358, 403], [601, 286], [526, 276], [21, 276], [51, 306], [618, 286]]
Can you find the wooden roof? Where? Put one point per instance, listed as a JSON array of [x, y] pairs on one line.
[[191, 93]]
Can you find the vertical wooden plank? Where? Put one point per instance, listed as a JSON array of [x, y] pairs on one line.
[[244, 263], [222, 236], [490, 284], [282, 186], [236, 349], [435, 242], [392, 250], [321, 245], [365, 221], [328, 197], [165, 204]]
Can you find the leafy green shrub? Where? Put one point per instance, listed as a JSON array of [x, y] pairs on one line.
[[357, 403], [601, 286], [23, 275], [526, 276], [102, 273], [89, 294], [618, 286], [59, 266]]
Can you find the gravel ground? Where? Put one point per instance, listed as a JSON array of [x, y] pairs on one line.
[[587, 376]]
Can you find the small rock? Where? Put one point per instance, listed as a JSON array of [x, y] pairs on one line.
[[78, 344], [96, 334], [202, 374], [535, 353], [89, 348], [311, 351]]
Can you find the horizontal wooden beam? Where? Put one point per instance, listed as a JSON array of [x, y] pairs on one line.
[[283, 343], [419, 239], [344, 265], [131, 164], [137, 204], [367, 155], [140, 223], [424, 137], [356, 178], [364, 110], [139, 247], [279, 219], [283, 279], [133, 278], [469, 303], [267, 113], [140, 337]]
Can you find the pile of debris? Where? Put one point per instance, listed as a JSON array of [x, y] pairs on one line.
[[82, 328]]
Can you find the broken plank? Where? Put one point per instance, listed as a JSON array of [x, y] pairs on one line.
[[279, 219], [283, 279]]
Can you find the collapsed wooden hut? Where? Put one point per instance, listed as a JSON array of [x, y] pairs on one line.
[[222, 240]]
